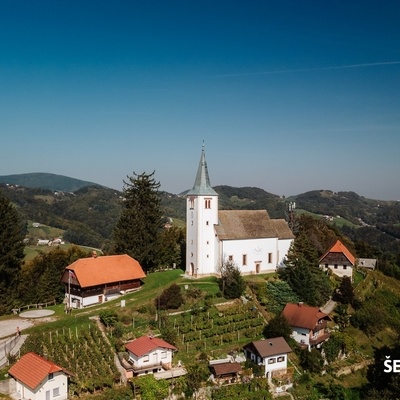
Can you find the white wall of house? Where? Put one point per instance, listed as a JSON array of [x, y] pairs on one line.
[[153, 358], [252, 255], [81, 302], [275, 363], [339, 270], [301, 335], [49, 389]]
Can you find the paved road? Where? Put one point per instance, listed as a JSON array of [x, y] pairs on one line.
[[9, 326], [328, 307]]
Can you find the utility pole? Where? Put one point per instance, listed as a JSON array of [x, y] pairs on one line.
[[292, 207]]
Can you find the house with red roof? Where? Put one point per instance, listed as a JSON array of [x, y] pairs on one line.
[[94, 280], [39, 379], [339, 260], [148, 354], [308, 324], [272, 354]]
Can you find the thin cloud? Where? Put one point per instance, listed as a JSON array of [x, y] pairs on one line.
[[282, 71]]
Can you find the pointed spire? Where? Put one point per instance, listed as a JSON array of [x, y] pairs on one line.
[[202, 184]]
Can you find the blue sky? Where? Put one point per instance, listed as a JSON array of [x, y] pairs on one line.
[[288, 96]]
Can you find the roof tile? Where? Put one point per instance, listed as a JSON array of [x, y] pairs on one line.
[[93, 271], [303, 316], [146, 344], [31, 369]]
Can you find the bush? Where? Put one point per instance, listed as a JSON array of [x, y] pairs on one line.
[[170, 298]]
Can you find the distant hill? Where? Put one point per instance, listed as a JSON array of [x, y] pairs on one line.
[[45, 180], [88, 212]]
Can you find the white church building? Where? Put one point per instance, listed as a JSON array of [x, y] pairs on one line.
[[249, 238]]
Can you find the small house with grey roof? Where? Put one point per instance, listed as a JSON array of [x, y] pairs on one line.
[[251, 239], [272, 354]]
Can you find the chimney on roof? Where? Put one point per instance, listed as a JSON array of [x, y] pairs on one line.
[[94, 254], [301, 304]]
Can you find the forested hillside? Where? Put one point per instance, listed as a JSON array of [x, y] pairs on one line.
[[46, 181], [89, 214]]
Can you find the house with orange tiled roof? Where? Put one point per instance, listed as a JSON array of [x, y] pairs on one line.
[[148, 354], [308, 324], [39, 379], [94, 280], [339, 260]]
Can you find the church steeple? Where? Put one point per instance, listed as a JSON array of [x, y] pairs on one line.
[[202, 186]]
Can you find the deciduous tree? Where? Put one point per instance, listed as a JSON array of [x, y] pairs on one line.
[[231, 282]]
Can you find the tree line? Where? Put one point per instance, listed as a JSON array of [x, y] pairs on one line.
[[140, 232]]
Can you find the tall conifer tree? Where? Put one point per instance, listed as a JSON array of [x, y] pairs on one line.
[[137, 232], [12, 233]]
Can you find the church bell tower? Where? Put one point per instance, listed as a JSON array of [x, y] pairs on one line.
[[201, 216]]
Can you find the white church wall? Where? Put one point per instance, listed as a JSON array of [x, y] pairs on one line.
[[283, 249], [252, 255]]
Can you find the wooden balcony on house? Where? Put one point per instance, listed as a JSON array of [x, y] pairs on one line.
[[321, 338]]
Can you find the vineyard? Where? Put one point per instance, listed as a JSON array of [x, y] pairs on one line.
[[83, 351], [217, 327]]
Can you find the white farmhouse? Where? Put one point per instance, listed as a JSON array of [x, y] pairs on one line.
[[149, 354], [249, 238], [39, 379]]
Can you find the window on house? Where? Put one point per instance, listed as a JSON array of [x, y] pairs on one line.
[[344, 266], [191, 203], [244, 259], [51, 376], [335, 266], [280, 359], [269, 258], [191, 223], [207, 203], [163, 354], [271, 360], [56, 392], [207, 223], [145, 358], [208, 242], [230, 258]]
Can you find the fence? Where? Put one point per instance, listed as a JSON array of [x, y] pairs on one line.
[[5, 349], [37, 305]]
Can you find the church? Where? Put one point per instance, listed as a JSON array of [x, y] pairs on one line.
[[250, 239]]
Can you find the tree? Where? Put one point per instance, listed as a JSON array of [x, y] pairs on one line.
[[345, 292], [170, 298], [196, 374], [46, 270], [311, 361], [12, 233], [278, 326], [151, 388], [137, 232], [231, 282], [172, 247]]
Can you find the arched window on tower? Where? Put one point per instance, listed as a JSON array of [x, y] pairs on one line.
[[207, 203]]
